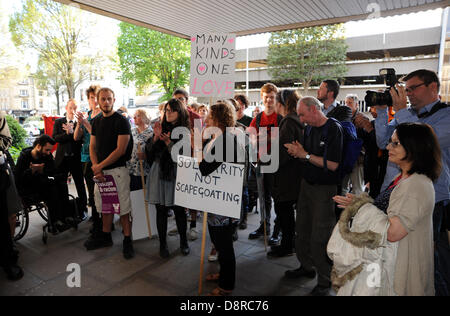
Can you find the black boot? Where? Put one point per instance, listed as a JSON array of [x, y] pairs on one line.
[[128, 250], [259, 232]]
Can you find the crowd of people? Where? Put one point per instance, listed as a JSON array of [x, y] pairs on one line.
[[402, 162]]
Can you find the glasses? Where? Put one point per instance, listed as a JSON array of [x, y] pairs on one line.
[[394, 144], [412, 88], [169, 111]]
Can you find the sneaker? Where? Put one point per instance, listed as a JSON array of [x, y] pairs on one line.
[[193, 234], [173, 232], [128, 250], [320, 290], [213, 256], [300, 272], [259, 232], [94, 243], [274, 241]]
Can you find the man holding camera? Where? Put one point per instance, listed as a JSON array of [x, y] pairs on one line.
[[422, 90]]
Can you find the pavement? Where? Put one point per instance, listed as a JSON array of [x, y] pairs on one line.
[[105, 272]]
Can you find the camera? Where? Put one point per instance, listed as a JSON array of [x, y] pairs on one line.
[[374, 98]]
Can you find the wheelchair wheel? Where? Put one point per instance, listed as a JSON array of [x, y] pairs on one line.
[[43, 211], [22, 223]]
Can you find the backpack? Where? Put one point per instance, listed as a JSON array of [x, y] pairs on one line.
[[351, 147]]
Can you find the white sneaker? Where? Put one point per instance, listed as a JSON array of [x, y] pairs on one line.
[[213, 257], [193, 234]]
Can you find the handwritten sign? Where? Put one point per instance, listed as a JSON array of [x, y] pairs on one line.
[[109, 195], [219, 193], [213, 58]]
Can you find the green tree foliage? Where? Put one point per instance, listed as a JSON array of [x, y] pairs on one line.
[[18, 134], [59, 34], [308, 55], [150, 57]]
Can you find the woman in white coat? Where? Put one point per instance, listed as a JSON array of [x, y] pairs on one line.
[[409, 204]]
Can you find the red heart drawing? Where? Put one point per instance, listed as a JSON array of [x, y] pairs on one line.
[[231, 40]]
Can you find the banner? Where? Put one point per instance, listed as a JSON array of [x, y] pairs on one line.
[[219, 193], [213, 59]]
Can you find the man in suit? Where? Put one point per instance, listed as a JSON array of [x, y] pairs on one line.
[[68, 154]]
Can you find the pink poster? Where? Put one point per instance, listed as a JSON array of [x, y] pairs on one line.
[[110, 197]]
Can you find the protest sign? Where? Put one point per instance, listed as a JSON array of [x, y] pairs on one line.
[[219, 193], [109, 195], [213, 58]]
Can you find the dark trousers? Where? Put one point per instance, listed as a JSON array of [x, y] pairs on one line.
[[268, 186], [73, 165], [286, 219], [89, 178], [161, 223], [222, 238], [54, 193], [441, 249], [314, 225], [6, 246]]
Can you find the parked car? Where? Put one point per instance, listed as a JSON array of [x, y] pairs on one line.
[[31, 129]]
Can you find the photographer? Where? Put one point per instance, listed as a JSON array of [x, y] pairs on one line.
[[422, 90]]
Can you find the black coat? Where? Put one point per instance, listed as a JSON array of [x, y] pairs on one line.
[[65, 142], [289, 175]]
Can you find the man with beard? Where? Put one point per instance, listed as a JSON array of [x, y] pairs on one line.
[[110, 148], [327, 94], [37, 179]]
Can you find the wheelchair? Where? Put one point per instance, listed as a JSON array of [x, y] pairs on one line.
[[32, 204]]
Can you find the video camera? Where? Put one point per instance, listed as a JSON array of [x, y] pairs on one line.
[[374, 98]]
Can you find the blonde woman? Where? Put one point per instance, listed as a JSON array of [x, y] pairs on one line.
[[141, 134]]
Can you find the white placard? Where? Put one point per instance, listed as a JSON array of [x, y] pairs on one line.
[[219, 193], [213, 59], [139, 226]]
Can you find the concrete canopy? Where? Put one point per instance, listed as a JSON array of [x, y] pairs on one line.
[[184, 18]]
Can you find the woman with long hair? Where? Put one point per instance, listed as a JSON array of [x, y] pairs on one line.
[[162, 175]]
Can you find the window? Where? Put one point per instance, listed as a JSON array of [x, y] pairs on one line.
[[23, 93], [41, 93], [24, 104], [41, 103]]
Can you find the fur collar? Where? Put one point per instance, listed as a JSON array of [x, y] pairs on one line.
[[367, 239]]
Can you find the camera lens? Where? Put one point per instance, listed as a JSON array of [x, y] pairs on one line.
[[374, 98]]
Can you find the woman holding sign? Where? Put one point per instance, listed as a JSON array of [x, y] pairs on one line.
[[223, 117], [162, 176]]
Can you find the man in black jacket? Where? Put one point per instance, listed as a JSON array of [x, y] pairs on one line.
[[36, 178], [68, 154]]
